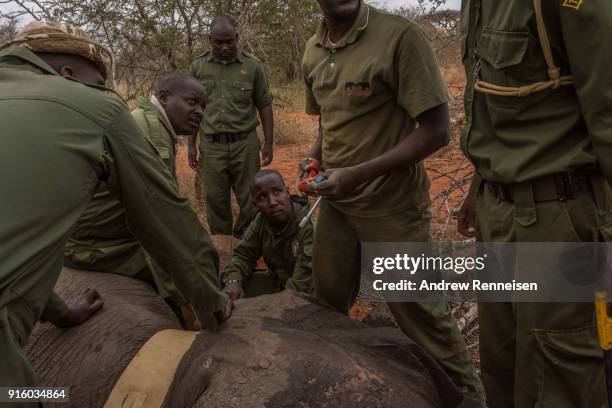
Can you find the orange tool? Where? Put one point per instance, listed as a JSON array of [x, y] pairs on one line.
[[307, 184]]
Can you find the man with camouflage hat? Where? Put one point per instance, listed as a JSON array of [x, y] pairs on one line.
[[539, 132], [101, 240], [236, 86], [80, 138]]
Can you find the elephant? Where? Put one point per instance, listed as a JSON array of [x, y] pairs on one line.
[[281, 350]]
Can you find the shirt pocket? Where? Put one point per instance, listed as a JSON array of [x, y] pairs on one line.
[[210, 86], [358, 93], [501, 55], [503, 60], [242, 91]]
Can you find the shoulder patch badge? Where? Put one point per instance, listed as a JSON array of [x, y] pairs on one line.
[[295, 248], [575, 4]]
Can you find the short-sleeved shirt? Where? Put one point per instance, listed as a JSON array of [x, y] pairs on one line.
[[235, 90], [369, 88], [515, 139], [286, 252]]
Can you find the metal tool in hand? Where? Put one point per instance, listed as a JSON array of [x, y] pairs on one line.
[[317, 180], [307, 184]]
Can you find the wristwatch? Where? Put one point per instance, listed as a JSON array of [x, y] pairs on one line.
[[232, 282]]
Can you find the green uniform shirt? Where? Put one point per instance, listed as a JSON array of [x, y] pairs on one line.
[[368, 89], [234, 91], [159, 130], [514, 139], [101, 240], [287, 253], [62, 139]]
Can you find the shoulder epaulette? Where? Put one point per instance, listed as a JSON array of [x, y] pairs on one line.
[[202, 55], [246, 54]]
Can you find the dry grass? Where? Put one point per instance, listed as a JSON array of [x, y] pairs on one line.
[[292, 126]]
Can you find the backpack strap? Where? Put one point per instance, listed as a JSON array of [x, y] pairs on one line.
[[554, 73]]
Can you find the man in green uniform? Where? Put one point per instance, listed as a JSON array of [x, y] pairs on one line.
[[80, 137], [101, 240], [539, 131], [370, 99], [276, 235], [236, 87]]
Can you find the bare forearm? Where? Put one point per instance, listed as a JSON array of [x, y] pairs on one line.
[[316, 151], [432, 134], [266, 115]]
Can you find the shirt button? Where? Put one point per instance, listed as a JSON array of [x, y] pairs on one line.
[[332, 65]]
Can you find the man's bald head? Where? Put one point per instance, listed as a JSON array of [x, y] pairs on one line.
[[222, 22], [263, 177], [223, 38], [183, 99], [271, 197], [176, 82]]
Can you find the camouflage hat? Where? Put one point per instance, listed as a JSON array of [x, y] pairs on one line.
[[52, 37]]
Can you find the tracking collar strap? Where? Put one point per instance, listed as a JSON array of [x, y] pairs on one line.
[[147, 379]]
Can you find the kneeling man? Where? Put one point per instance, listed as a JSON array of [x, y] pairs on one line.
[[276, 235], [102, 240]]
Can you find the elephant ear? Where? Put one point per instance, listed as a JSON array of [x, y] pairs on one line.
[[192, 377], [287, 350]]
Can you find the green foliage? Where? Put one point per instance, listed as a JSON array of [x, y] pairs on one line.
[[150, 38]]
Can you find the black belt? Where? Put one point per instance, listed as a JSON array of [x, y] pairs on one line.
[[226, 137], [555, 187]]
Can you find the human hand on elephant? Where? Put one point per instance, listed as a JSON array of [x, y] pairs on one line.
[[80, 309], [234, 291], [226, 313]]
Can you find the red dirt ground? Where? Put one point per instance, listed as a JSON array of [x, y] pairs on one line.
[[448, 169]]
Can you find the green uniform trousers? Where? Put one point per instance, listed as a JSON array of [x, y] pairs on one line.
[[15, 369], [542, 354], [227, 167], [337, 273]]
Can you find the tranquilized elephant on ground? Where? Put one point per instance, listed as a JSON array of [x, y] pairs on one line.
[[279, 350]]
